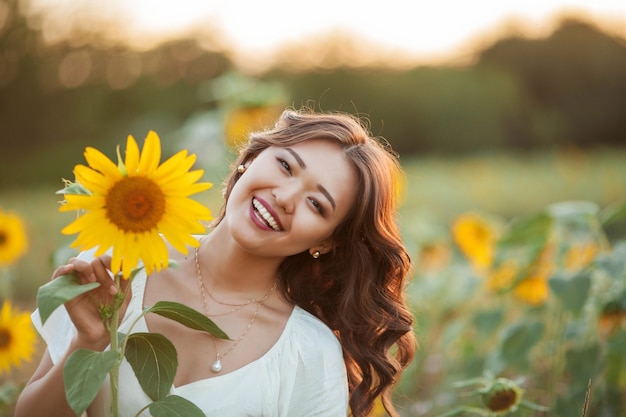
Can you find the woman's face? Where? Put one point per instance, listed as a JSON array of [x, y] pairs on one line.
[[291, 199]]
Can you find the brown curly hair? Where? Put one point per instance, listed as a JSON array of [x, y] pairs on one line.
[[358, 288]]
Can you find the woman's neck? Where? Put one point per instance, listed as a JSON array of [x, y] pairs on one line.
[[227, 267]]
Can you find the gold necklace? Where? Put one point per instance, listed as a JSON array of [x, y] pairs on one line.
[[217, 365], [245, 303]]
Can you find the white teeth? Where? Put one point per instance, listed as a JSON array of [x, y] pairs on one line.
[[269, 219]]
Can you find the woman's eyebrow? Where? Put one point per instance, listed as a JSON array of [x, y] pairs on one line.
[[297, 157], [323, 190]]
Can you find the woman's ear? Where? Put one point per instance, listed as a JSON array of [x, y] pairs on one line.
[[325, 246]]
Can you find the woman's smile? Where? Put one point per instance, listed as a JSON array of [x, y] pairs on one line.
[[264, 216]]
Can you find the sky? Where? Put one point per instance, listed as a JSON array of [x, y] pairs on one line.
[[426, 30]]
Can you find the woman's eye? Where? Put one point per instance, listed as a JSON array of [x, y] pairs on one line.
[[317, 206], [285, 165]]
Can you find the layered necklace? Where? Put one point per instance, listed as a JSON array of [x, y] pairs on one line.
[[217, 365]]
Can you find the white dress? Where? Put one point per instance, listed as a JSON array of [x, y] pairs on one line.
[[303, 374]]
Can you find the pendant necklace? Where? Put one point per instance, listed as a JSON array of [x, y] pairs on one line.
[[216, 366]]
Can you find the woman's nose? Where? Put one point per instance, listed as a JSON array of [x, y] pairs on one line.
[[285, 198]]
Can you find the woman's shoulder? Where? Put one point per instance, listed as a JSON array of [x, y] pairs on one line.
[[311, 333]]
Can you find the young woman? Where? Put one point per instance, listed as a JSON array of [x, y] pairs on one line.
[[304, 269]]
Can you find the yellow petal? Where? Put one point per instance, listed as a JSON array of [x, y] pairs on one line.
[[132, 155], [100, 162], [150, 154], [119, 248], [131, 255], [91, 179], [190, 208], [184, 186], [176, 165], [82, 202]]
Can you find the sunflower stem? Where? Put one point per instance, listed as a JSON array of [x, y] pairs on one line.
[[114, 374]]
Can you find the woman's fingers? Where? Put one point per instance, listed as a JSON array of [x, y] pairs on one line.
[[84, 270], [62, 270], [101, 267], [95, 271]]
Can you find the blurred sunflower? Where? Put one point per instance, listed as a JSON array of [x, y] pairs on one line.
[[129, 206], [242, 120], [502, 277], [13, 240], [17, 337], [580, 255], [476, 238], [502, 396], [612, 319], [533, 290], [434, 256]]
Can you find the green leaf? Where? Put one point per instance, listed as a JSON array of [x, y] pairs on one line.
[[613, 213], [519, 338], [527, 230], [487, 322], [153, 358], [583, 363], [8, 394], [73, 188], [465, 410], [188, 317], [59, 291], [175, 406], [83, 375], [572, 291]]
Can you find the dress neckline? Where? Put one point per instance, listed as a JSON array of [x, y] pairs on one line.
[[137, 305]]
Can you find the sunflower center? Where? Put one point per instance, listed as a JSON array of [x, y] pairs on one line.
[[3, 238], [5, 338], [135, 204], [502, 400]]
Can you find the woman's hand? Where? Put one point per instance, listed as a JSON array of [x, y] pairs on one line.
[[85, 310]]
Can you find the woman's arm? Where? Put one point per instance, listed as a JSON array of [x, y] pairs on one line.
[[44, 394]]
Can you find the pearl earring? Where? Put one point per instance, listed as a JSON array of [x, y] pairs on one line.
[[241, 169], [316, 254]]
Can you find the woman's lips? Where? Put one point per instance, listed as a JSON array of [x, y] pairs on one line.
[[264, 216]]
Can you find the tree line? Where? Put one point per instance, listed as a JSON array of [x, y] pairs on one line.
[[567, 89]]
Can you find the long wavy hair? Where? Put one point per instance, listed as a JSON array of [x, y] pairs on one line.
[[358, 288]]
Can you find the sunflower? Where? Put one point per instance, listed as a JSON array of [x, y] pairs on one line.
[[13, 241], [17, 337], [476, 238], [580, 255], [502, 396], [533, 290], [131, 207], [241, 121], [503, 276]]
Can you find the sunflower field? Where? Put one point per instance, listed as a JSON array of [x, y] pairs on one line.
[[519, 285]]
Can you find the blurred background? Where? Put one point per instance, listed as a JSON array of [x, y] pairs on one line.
[[497, 108]]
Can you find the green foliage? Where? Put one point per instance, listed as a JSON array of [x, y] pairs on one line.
[[566, 347], [187, 316], [572, 291], [152, 356], [83, 375], [174, 406], [154, 359], [59, 291]]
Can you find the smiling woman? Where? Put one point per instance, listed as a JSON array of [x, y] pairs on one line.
[[304, 268]]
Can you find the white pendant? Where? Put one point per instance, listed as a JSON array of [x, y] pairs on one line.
[[216, 366]]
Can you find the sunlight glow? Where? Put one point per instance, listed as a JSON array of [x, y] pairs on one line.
[[426, 31]]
